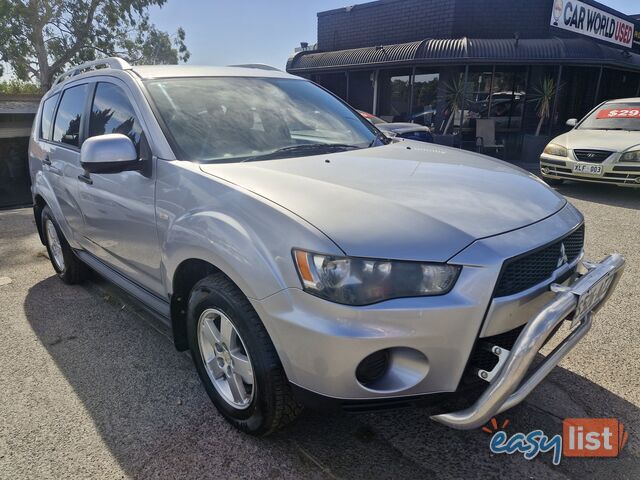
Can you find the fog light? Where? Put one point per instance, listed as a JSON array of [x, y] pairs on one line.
[[373, 367]]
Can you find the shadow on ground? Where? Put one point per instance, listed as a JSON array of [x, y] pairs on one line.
[[146, 401]]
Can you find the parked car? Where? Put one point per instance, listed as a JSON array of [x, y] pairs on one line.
[[603, 147], [410, 131], [298, 254]]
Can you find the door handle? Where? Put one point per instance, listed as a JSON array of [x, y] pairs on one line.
[[46, 161], [85, 179]]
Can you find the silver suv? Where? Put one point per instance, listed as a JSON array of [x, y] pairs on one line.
[[301, 256]]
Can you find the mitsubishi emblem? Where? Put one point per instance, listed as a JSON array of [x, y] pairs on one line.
[[563, 256]]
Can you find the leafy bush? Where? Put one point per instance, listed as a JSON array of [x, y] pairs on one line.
[[17, 87]]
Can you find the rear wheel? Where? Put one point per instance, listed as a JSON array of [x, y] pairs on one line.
[[236, 359], [68, 267]]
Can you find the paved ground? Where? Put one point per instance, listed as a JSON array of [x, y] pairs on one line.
[[91, 387]]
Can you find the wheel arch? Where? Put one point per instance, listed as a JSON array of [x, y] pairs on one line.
[[43, 195], [38, 205], [189, 272]]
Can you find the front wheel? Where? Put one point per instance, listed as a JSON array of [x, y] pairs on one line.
[[236, 359]]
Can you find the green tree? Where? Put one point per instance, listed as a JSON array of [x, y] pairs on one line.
[[39, 38]]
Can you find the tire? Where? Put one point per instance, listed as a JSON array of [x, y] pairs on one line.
[[67, 266], [258, 408], [554, 182]]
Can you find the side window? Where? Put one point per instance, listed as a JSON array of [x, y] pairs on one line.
[[66, 128], [112, 112], [47, 117]]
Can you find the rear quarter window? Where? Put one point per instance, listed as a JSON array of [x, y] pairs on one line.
[[48, 108]]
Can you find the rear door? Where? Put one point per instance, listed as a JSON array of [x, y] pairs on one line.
[[119, 208], [62, 163]]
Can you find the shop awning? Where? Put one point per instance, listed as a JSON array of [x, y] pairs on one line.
[[461, 51]]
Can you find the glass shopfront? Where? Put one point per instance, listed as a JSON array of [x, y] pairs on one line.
[[394, 94], [519, 99]]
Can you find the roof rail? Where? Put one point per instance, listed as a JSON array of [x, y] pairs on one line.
[[109, 62], [260, 66]]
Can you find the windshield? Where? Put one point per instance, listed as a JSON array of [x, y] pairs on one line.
[[613, 116], [230, 119]]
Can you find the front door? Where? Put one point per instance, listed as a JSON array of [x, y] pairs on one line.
[[119, 208]]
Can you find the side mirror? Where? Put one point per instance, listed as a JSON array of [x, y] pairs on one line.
[[572, 122], [111, 153]]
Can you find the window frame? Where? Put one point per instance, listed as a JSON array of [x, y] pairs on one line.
[[53, 117], [132, 104], [83, 115]]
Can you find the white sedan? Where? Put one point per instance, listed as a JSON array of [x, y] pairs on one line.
[[603, 147]]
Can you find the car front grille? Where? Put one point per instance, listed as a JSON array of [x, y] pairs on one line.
[[621, 175], [525, 271], [592, 156]]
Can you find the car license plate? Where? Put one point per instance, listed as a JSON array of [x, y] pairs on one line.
[[588, 168], [592, 297]]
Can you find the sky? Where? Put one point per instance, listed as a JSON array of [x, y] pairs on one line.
[[224, 32], [260, 31], [243, 31]]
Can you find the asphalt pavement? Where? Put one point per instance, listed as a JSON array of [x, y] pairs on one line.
[[91, 387]]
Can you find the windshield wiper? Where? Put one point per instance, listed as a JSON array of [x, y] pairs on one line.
[[304, 148]]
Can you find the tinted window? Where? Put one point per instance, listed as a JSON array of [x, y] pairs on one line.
[[67, 126], [47, 117], [111, 112]]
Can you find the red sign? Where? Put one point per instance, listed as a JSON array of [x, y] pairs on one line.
[[619, 113], [593, 437]]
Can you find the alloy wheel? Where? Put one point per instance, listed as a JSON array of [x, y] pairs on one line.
[[54, 245], [225, 358]]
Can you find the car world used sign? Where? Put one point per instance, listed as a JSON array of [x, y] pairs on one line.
[[579, 17]]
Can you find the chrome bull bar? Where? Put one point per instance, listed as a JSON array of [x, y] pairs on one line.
[[507, 388]]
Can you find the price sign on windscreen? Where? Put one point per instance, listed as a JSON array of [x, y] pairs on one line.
[[619, 113]]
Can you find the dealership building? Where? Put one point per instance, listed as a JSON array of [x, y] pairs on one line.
[[524, 65]]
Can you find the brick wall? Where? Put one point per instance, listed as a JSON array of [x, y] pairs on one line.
[[387, 22], [384, 23], [502, 18]]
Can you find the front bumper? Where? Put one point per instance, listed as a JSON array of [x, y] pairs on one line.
[[623, 174], [321, 344], [509, 387]]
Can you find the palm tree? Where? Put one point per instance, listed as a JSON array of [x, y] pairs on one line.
[[455, 98], [543, 96]]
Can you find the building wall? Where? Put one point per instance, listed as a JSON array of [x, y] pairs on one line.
[[387, 22], [502, 18], [384, 23]]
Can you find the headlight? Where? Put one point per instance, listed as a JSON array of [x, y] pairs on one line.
[[362, 281], [632, 156], [555, 149]]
